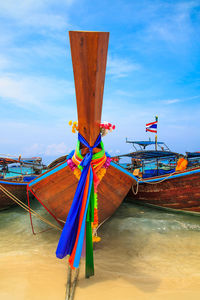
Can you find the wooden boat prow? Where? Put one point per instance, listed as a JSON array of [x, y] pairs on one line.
[[89, 56], [55, 189]]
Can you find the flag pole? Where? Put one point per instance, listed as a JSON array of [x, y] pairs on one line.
[[156, 137]]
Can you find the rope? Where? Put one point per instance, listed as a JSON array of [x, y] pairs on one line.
[[140, 180], [9, 155], [99, 225], [160, 180], [28, 188], [27, 208], [137, 187]]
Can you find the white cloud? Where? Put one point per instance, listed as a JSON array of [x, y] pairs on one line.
[[29, 92], [44, 20], [123, 93], [56, 149], [176, 100], [4, 62], [176, 25], [32, 149], [43, 17], [120, 67], [46, 50], [171, 101]]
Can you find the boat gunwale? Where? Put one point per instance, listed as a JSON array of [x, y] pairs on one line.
[[170, 175], [64, 164], [12, 181]]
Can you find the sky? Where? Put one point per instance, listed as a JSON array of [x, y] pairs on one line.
[[153, 68]]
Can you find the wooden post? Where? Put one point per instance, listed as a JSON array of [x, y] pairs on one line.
[[68, 286], [74, 284], [156, 142]]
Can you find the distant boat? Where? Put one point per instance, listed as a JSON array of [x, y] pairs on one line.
[[150, 162], [16, 185], [34, 165], [57, 161], [164, 187], [193, 154], [193, 159], [55, 188]]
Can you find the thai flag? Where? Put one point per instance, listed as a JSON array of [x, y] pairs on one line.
[[152, 127]]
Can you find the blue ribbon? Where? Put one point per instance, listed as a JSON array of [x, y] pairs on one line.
[[88, 157], [70, 155], [69, 233]]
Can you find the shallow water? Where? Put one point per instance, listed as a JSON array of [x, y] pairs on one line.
[[144, 254]]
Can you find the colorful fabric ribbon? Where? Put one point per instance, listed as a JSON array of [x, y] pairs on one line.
[[78, 226]]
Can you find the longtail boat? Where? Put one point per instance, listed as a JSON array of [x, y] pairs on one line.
[[34, 165], [57, 161], [55, 188], [178, 191], [17, 186], [58, 189], [159, 184], [193, 159]]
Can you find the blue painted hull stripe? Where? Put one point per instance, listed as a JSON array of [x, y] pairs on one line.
[[123, 170], [173, 176], [48, 173], [13, 183]]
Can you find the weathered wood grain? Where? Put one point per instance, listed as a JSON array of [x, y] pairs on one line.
[[181, 193], [17, 190], [57, 190], [89, 56]]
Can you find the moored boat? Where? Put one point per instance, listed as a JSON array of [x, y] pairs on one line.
[[179, 191], [55, 188], [17, 186], [193, 159], [159, 184], [13, 166]]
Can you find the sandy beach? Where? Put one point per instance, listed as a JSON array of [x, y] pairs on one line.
[[144, 254]]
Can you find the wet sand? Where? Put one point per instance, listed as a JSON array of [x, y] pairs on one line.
[[144, 254]]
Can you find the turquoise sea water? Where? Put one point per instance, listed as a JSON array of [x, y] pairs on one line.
[[144, 254]]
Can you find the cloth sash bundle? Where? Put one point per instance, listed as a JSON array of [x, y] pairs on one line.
[[77, 231]]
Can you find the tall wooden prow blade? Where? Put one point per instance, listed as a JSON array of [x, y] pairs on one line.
[[89, 56]]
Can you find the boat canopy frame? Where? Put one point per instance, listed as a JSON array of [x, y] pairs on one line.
[[143, 144]]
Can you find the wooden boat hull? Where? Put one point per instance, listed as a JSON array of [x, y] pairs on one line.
[[179, 191], [15, 187], [55, 189]]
